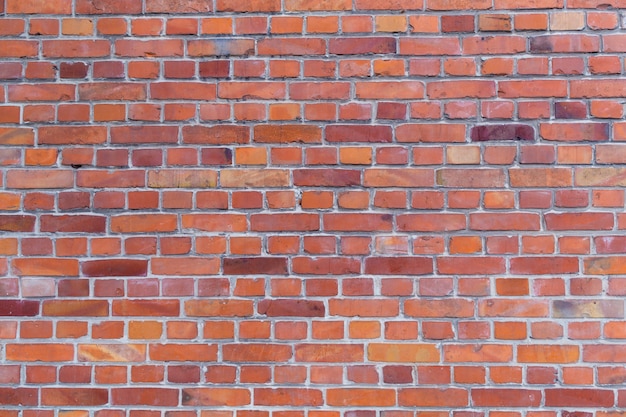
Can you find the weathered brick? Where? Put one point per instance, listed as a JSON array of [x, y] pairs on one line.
[[587, 309], [181, 178], [32, 179], [564, 43], [245, 178], [465, 178], [509, 308], [16, 136]]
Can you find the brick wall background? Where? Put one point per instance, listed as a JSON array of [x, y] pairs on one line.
[[312, 208]]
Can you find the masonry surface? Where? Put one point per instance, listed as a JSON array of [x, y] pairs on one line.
[[312, 208]]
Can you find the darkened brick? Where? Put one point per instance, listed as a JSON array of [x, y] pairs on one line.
[[292, 308], [502, 132], [115, 268], [570, 110], [252, 266], [73, 70], [19, 308]]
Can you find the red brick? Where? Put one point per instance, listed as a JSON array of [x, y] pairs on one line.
[[284, 222], [299, 397], [17, 223], [247, 266], [579, 221], [471, 265], [433, 397], [183, 352], [76, 223], [19, 308], [186, 266], [504, 221], [326, 177], [578, 398], [110, 179], [45, 267], [325, 266], [461, 89], [216, 397], [157, 397], [46, 352], [162, 6], [144, 134], [439, 308], [506, 397], [207, 308], [477, 353], [358, 133], [329, 353], [478, 178], [138, 307], [115, 268], [74, 396], [544, 265], [143, 223], [18, 396], [291, 308], [257, 352], [82, 308], [83, 135]]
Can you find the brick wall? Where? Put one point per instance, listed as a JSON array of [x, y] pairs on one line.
[[312, 208]]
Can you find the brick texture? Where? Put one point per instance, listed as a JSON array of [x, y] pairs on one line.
[[312, 208]]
